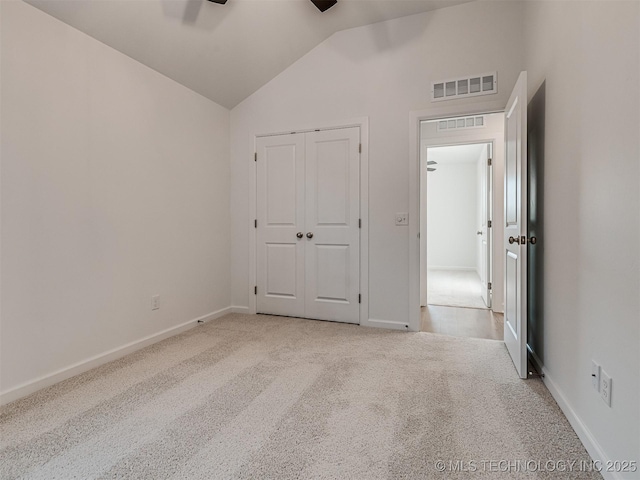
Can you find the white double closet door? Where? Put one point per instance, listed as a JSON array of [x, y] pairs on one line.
[[308, 219]]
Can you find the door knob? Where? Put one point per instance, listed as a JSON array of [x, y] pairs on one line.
[[299, 234], [533, 240], [309, 235], [479, 232], [519, 240]]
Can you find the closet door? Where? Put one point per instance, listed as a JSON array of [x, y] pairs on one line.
[[332, 236], [280, 225]]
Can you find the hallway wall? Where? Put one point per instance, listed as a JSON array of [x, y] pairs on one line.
[[452, 192]]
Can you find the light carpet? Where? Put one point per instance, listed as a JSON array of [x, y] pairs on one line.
[[249, 396]]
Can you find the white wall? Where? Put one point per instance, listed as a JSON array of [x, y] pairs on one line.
[[588, 53], [452, 192], [382, 71], [114, 188]]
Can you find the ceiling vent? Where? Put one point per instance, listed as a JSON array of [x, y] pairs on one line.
[[458, 123], [486, 84]]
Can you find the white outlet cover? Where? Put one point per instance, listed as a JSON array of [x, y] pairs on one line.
[[595, 376], [605, 387]]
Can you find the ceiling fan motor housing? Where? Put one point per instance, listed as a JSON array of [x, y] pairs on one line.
[[324, 5]]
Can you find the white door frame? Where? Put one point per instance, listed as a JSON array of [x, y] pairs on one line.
[[471, 139], [415, 118], [363, 124]]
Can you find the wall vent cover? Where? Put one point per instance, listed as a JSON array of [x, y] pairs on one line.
[[485, 84], [461, 122]]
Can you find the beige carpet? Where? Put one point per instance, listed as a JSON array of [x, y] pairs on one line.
[[270, 397]]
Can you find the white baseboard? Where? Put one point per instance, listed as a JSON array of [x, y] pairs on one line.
[[592, 446], [236, 309], [390, 324], [32, 386]]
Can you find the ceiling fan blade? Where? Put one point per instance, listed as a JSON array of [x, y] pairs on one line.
[[323, 5]]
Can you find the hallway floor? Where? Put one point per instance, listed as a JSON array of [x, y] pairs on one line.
[[454, 288], [462, 322]]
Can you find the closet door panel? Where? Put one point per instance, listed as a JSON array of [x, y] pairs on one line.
[[280, 211], [332, 237]]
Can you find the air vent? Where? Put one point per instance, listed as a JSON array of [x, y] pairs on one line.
[[438, 90], [486, 84], [458, 123]]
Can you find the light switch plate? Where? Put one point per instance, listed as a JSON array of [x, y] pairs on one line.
[[402, 219], [155, 302]]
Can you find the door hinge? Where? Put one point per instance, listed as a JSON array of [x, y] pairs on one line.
[[359, 223], [489, 161], [489, 285], [489, 224], [255, 156], [255, 223], [359, 298], [255, 290], [360, 148]]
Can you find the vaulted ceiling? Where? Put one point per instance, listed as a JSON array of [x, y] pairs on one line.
[[224, 52]]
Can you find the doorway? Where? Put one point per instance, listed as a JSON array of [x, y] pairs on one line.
[[460, 213], [511, 240]]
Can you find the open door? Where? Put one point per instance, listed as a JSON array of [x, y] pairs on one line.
[[484, 233], [515, 234]]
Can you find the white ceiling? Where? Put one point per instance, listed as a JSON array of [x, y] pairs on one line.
[[224, 52], [455, 153]]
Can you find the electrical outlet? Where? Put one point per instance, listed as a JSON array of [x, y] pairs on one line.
[[155, 302], [595, 376], [402, 219], [605, 387]]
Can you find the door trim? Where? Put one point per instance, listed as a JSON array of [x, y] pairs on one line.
[[363, 124], [415, 117]]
